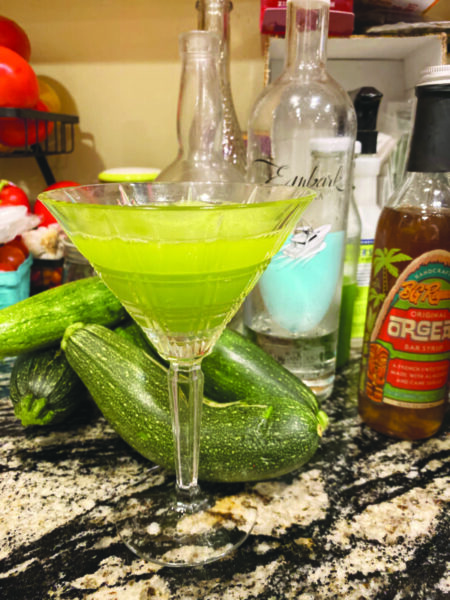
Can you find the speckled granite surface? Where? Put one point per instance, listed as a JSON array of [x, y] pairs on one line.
[[367, 518]]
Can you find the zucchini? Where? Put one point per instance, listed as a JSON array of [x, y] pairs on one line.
[[40, 321], [131, 331], [250, 439], [44, 388], [236, 368]]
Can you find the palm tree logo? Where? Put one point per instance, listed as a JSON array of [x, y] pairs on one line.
[[384, 259]]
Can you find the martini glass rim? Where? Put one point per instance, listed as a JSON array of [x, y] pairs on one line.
[[79, 194]]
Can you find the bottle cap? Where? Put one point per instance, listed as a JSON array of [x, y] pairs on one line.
[[366, 101], [439, 74], [128, 174], [431, 131]]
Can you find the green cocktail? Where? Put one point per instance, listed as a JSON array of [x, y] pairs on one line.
[[181, 257], [181, 270]]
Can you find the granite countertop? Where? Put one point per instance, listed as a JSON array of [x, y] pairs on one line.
[[366, 518]]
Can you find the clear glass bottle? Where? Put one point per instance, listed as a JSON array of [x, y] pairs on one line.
[[403, 389], [199, 115], [301, 132], [214, 15]]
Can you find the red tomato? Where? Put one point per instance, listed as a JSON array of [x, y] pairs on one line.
[[14, 37], [12, 256], [19, 86], [19, 243], [39, 209], [6, 267], [12, 195], [16, 133], [61, 184]]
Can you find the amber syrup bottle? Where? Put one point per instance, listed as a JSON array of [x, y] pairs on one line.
[[403, 389]]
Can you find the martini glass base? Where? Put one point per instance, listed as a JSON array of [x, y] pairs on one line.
[[179, 531]]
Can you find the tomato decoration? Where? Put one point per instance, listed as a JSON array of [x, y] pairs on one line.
[[12, 195], [45, 215], [62, 184], [39, 209], [12, 36], [18, 242], [18, 82], [11, 257], [16, 132], [6, 267]]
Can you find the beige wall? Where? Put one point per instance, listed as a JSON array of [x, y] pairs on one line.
[[116, 65]]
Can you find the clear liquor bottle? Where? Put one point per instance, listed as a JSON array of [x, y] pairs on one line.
[[302, 132], [214, 15], [199, 114]]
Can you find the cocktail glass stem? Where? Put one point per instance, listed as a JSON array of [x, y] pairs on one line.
[[186, 395]]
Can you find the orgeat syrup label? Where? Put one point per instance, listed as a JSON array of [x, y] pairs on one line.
[[409, 352]]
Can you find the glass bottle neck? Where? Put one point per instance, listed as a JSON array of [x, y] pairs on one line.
[[306, 34], [199, 108], [214, 15], [426, 191]]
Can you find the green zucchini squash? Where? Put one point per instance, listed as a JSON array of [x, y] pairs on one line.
[[131, 331], [237, 368], [250, 439], [44, 389], [40, 321]]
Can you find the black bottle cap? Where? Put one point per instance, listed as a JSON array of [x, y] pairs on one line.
[[429, 151], [367, 102]]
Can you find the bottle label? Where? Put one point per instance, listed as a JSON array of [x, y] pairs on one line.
[[300, 282], [301, 288], [409, 350], [363, 281], [317, 179]]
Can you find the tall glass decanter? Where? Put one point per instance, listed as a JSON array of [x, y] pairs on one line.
[[199, 115], [301, 133], [214, 15]]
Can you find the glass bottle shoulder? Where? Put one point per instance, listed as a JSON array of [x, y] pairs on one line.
[[318, 99], [428, 192]]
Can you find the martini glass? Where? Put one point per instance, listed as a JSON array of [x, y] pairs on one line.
[[180, 257]]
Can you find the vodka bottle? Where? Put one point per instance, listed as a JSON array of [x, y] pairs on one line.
[[405, 364], [302, 132], [199, 115], [214, 15]]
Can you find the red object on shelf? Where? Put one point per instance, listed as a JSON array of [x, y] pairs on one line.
[[273, 17]]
